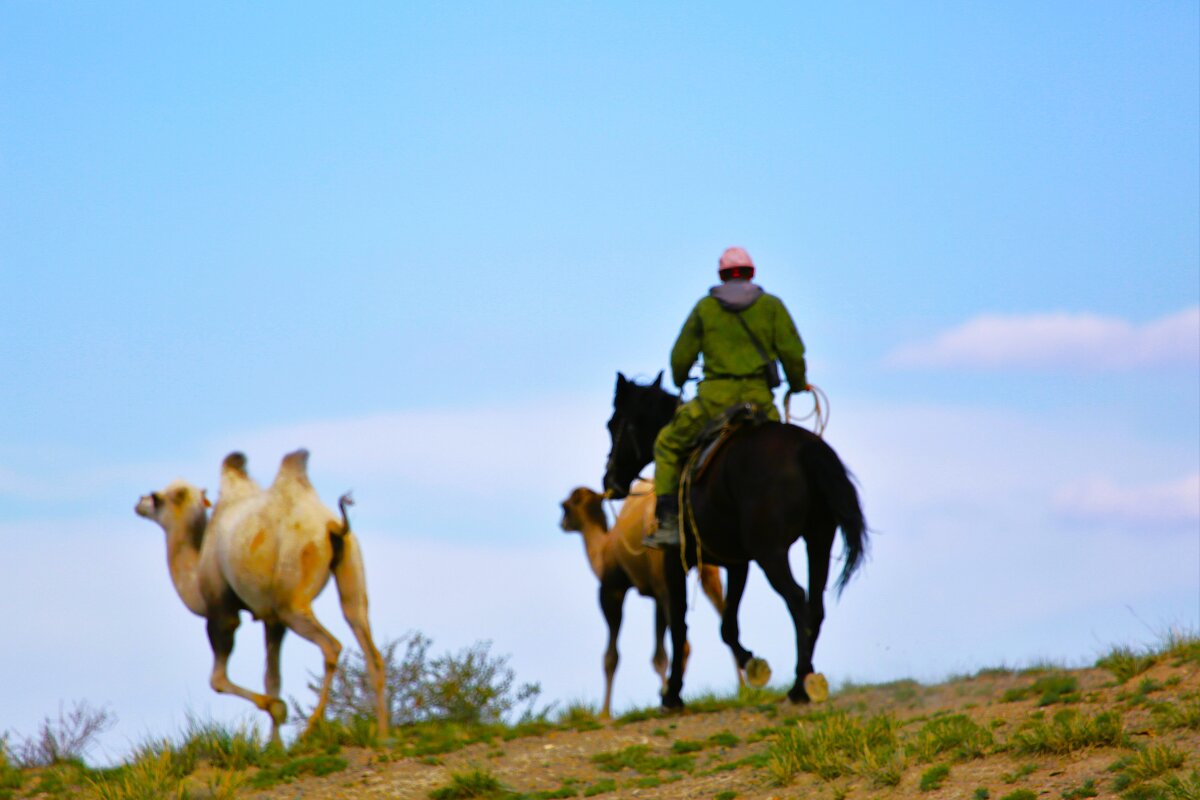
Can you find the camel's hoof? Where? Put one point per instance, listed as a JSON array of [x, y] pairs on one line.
[[758, 672], [817, 687], [278, 710]]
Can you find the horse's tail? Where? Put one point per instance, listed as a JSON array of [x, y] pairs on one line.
[[835, 484]]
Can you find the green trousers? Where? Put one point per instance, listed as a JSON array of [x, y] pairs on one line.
[[675, 441]]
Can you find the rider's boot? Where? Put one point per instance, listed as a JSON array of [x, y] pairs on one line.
[[666, 513]]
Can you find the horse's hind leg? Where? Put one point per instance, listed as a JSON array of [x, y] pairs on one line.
[[779, 574], [819, 543], [730, 632]]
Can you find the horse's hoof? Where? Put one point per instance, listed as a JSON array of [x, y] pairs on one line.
[[816, 687], [758, 672], [672, 705]]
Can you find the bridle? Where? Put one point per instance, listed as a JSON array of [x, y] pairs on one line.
[[638, 452]]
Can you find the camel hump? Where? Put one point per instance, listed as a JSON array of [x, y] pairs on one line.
[[236, 483], [294, 468], [235, 462]]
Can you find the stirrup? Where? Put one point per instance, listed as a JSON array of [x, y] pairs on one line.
[[666, 534]]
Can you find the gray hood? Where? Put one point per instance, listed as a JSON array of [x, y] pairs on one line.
[[736, 295]]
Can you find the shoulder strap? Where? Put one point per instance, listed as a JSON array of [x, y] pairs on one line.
[[757, 345]]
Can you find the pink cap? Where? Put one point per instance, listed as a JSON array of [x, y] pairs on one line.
[[735, 257]]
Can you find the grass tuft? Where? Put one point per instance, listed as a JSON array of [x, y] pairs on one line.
[[833, 745], [1068, 732], [1124, 662], [956, 735], [934, 777]]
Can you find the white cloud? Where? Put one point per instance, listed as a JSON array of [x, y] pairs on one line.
[[1073, 341], [1100, 500]]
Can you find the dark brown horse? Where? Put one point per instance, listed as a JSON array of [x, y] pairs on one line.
[[769, 485]]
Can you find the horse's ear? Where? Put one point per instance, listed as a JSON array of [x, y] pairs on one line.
[[658, 380], [622, 385]]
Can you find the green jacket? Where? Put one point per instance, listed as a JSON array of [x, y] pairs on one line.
[[713, 329]]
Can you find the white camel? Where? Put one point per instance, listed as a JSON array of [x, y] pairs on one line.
[[269, 552]]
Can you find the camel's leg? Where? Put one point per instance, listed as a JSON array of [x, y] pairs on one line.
[[221, 629], [660, 660], [351, 580], [306, 625], [612, 601], [710, 581], [274, 641]]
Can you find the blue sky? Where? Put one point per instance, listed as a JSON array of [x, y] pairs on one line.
[[421, 239]]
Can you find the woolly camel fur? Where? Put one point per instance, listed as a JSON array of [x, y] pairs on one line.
[[620, 562], [269, 552]]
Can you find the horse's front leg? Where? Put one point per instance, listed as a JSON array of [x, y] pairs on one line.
[[676, 611]]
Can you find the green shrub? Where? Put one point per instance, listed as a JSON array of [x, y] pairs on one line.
[[1088, 789], [1124, 662], [639, 758], [1020, 794], [1152, 762], [602, 786], [957, 735], [831, 746], [468, 686], [1068, 732], [476, 783], [934, 777], [153, 774], [220, 746], [1171, 716], [286, 773]]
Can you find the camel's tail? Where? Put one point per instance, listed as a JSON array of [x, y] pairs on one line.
[[344, 501], [338, 533], [836, 486]]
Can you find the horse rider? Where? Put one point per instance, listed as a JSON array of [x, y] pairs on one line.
[[740, 330]]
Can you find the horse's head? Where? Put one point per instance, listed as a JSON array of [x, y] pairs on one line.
[[639, 413]]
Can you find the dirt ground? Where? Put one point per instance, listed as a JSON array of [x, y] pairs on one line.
[[547, 762]]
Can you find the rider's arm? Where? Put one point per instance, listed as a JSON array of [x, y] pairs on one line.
[[790, 349], [687, 348]]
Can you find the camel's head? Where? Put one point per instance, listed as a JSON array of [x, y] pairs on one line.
[[580, 507], [180, 504]]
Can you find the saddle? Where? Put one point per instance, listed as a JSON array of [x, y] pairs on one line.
[[714, 435]]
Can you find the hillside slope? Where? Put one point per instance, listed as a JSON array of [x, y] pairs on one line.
[[1036, 733], [1129, 728]]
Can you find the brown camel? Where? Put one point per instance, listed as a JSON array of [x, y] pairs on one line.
[[620, 562], [269, 552]]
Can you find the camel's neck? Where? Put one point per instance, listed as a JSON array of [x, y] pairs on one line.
[[596, 541], [183, 560]]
